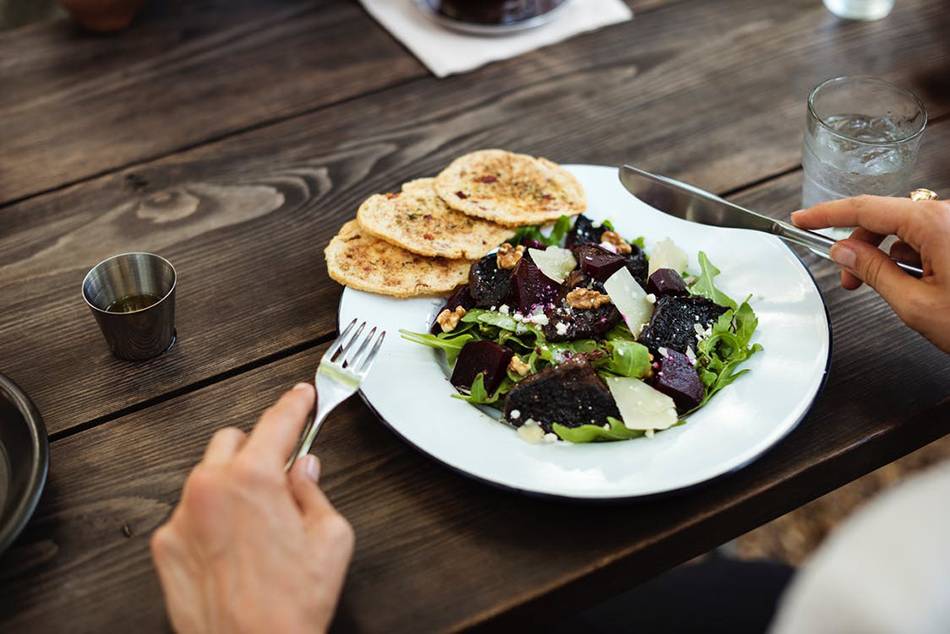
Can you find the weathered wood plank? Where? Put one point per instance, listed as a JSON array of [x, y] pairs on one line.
[[245, 219], [74, 104], [427, 537]]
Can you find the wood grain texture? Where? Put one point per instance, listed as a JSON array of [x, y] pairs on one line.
[[75, 104], [245, 219], [427, 537]]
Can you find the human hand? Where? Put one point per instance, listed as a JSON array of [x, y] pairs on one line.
[[249, 547], [923, 229]]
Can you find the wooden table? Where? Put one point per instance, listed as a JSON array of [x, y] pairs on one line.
[[235, 136]]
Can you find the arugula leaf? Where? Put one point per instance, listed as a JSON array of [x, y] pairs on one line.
[[627, 358], [449, 342], [555, 239], [641, 242], [555, 353], [728, 346], [705, 283], [493, 318], [478, 395], [595, 433], [558, 233]]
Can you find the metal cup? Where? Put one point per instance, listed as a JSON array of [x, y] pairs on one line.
[[132, 296]]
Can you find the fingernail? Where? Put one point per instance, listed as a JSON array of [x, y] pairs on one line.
[[312, 467], [302, 386], [795, 214], [843, 255]]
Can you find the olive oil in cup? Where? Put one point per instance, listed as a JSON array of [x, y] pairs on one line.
[[132, 297]]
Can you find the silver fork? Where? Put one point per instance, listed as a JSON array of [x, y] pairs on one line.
[[339, 376]]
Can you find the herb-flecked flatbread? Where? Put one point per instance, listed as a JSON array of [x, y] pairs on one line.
[[510, 189], [417, 220], [361, 261]]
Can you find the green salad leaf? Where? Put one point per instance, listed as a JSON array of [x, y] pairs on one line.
[[595, 433], [627, 358], [449, 342], [705, 283], [558, 232], [728, 346], [478, 395]]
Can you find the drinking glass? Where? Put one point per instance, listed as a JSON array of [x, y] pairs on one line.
[[862, 136]]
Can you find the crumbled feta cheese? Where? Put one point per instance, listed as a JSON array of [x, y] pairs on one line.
[[503, 309], [550, 438], [561, 328], [698, 328], [690, 355], [664, 352], [518, 317], [515, 414], [649, 433], [651, 298], [538, 318]]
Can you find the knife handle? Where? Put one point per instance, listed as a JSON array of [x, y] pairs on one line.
[[822, 244]]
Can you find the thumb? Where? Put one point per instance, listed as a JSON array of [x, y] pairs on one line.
[[873, 267], [303, 482]]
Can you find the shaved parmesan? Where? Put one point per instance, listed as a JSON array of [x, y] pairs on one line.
[[666, 255], [641, 407], [630, 299], [554, 262]]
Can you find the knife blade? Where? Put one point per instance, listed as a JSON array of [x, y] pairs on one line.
[[691, 203]]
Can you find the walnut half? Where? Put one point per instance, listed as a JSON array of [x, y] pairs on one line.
[[614, 239], [518, 366], [449, 319], [584, 298], [509, 256]]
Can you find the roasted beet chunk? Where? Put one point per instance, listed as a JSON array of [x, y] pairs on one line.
[[674, 322], [530, 287], [488, 284], [666, 282], [638, 265], [569, 324], [598, 262], [677, 378], [570, 394], [461, 297], [583, 232], [481, 356]]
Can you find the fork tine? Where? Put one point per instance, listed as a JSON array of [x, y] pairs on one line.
[[349, 343], [351, 362], [368, 361], [332, 350]]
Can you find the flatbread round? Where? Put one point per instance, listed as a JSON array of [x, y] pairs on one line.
[[358, 260], [510, 189], [417, 220]]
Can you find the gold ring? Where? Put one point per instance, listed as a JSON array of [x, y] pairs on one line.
[[922, 194]]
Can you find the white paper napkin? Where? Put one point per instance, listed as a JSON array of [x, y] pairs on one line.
[[446, 52]]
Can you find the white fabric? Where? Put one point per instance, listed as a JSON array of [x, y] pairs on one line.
[[887, 570], [446, 52]]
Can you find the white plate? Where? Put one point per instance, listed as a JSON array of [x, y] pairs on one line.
[[409, 389]]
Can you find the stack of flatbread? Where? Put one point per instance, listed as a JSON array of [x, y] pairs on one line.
[[422, 240]]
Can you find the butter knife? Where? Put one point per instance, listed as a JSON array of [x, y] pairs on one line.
[[696, 205]]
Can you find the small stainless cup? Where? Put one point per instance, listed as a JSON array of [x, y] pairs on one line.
[[132, 296]]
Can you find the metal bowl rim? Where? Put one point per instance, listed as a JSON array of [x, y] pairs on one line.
[[12, 525]]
